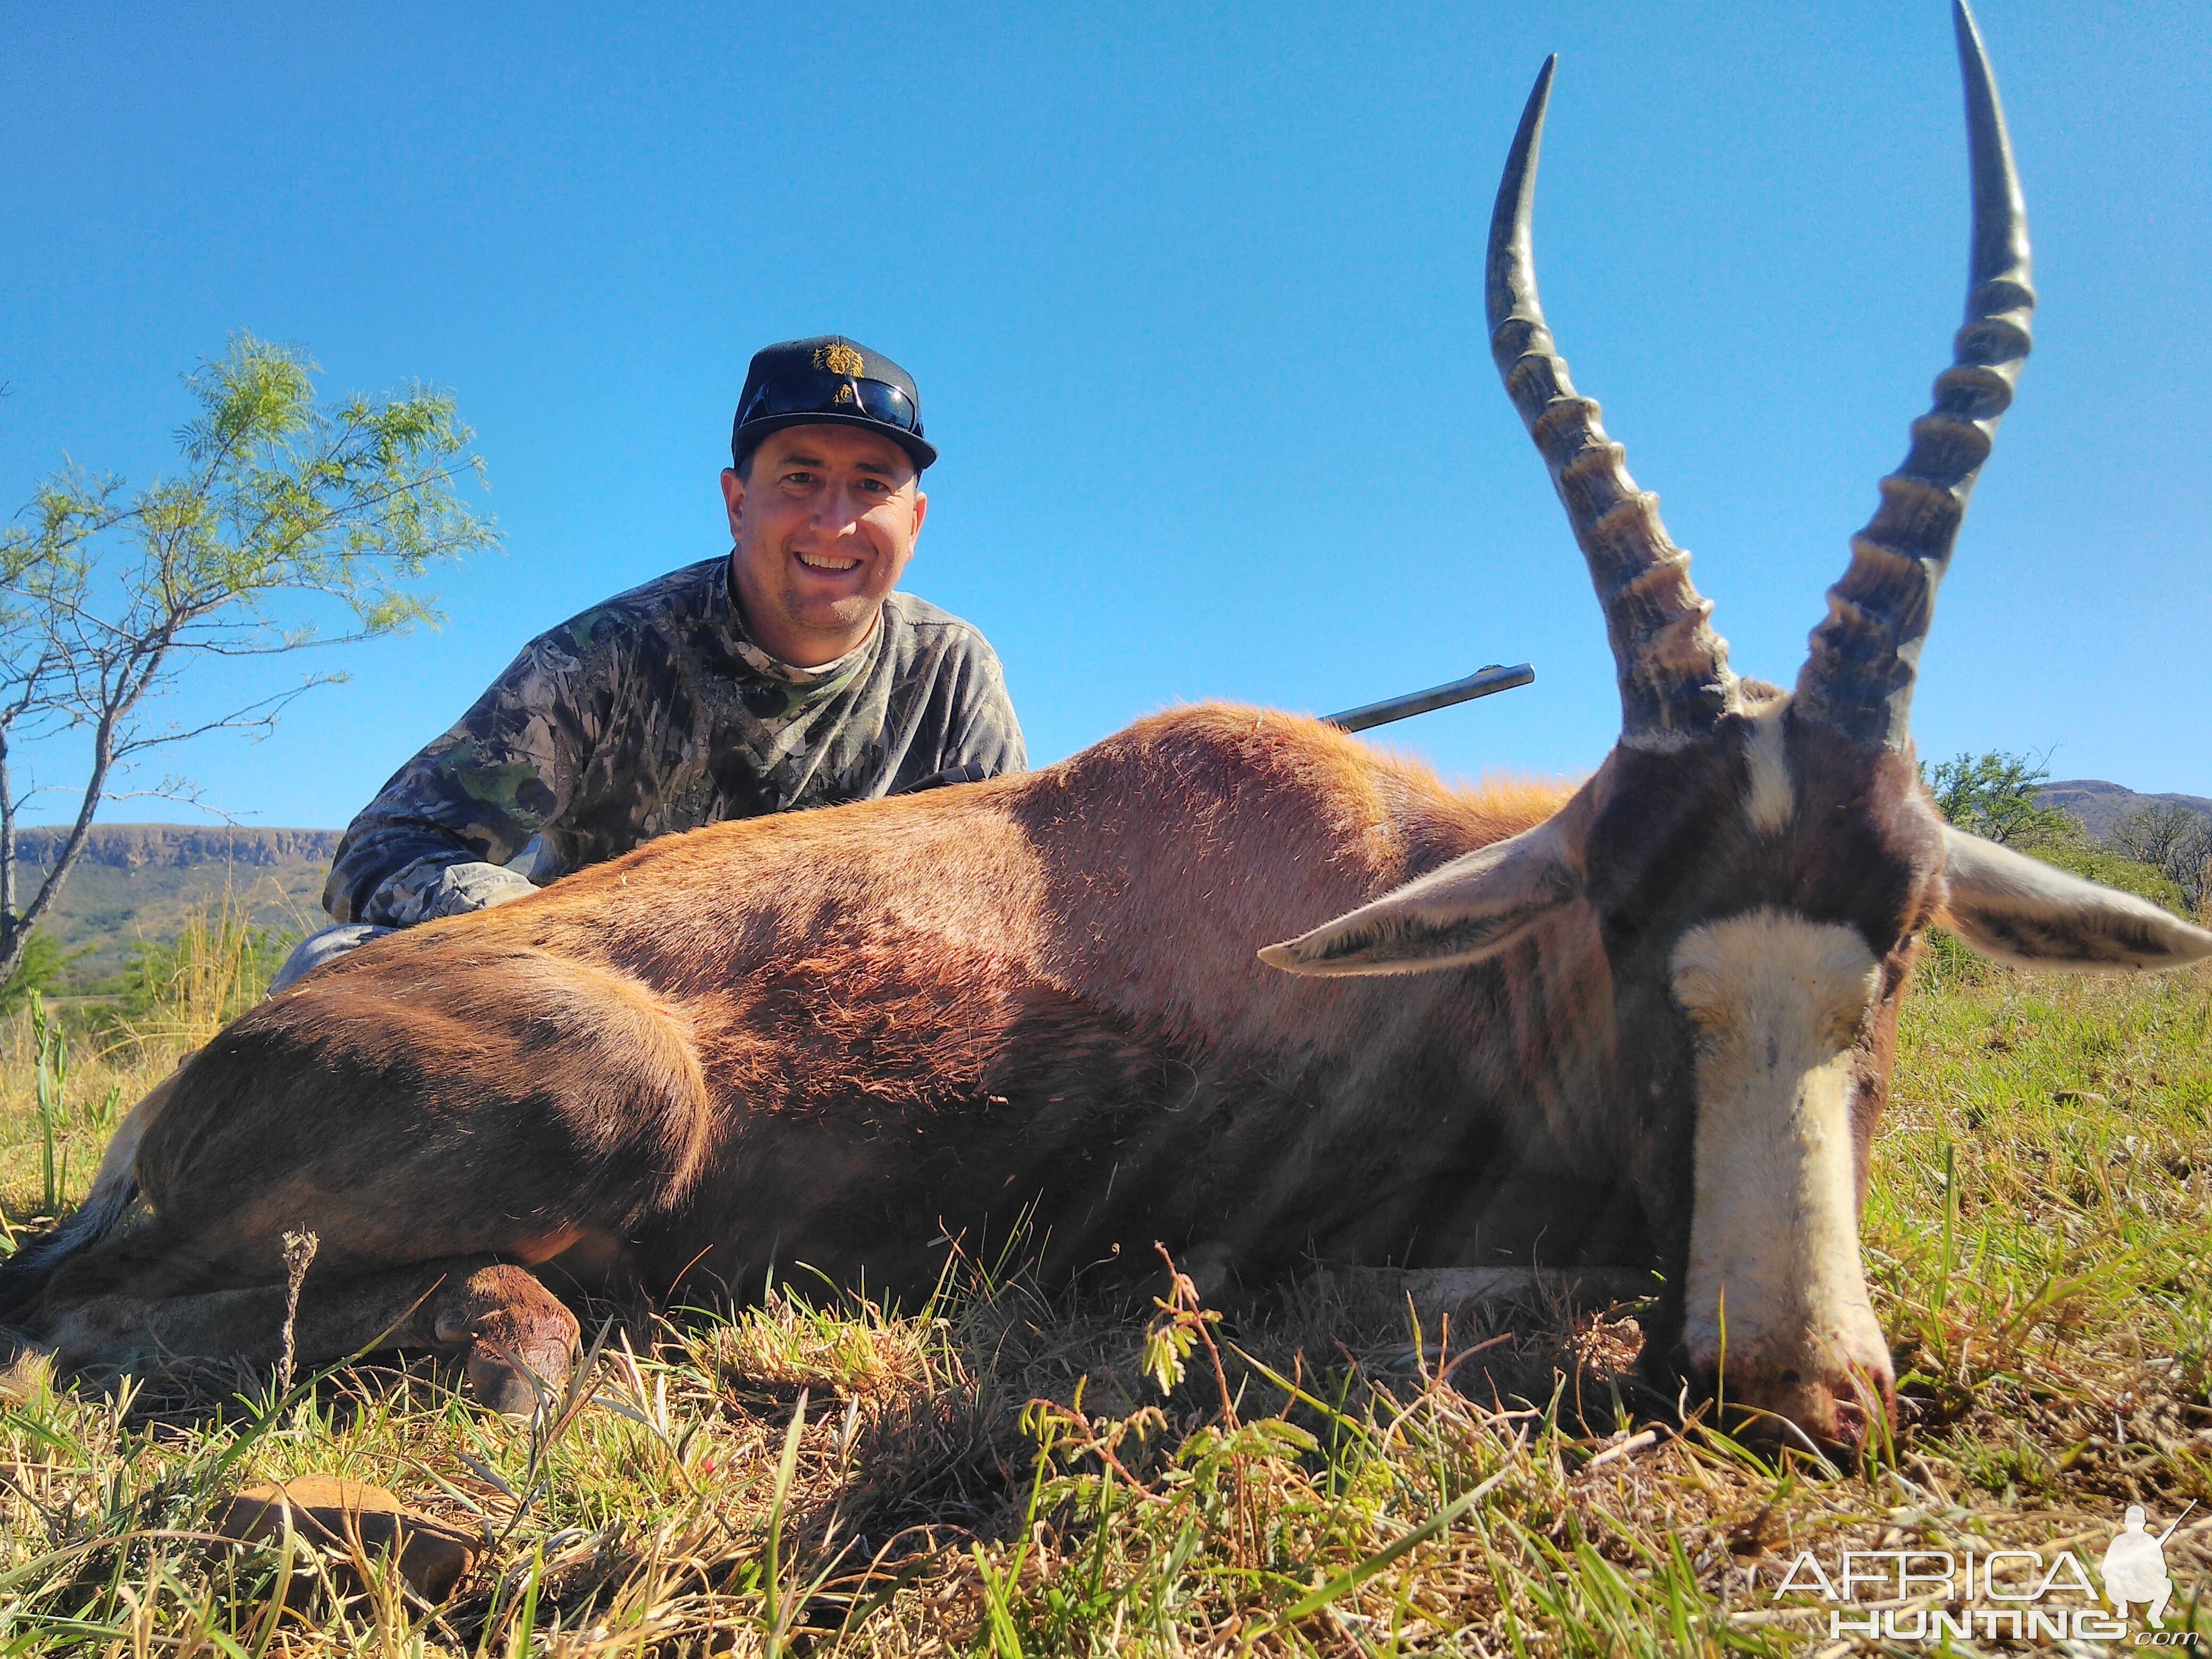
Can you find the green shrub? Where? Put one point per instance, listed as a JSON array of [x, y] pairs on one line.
[[1993, 796], [2084, 858], [43, 962]]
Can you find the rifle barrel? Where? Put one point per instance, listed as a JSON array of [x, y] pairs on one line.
[[1481, 684]]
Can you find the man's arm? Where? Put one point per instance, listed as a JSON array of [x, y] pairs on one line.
[[435, 841]]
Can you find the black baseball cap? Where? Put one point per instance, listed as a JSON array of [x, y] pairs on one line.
[[829, 381]]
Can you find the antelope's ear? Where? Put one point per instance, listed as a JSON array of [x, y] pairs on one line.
[[2021, 911], [1473, 908]]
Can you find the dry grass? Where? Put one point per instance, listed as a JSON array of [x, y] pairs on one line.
[[999, 1471]]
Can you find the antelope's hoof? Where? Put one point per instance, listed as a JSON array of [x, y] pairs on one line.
[[521, 1341], [509, 1382]]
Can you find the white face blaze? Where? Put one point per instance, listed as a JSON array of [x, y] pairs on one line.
[[1778, 1002], [1773, 799]]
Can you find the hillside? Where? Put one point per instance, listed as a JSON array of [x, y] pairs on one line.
[[2101, 805], [136, 881]]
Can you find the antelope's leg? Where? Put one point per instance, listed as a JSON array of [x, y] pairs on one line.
[[508, 1323]]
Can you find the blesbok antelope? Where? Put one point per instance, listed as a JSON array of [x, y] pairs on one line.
[[1648, 1022]]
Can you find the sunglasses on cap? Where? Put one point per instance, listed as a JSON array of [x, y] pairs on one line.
[[816, 391]]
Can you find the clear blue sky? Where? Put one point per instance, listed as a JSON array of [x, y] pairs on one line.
[[1193, 296]]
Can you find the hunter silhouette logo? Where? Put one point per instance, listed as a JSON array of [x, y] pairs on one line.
[[1934, 1598], [2135, 1567]]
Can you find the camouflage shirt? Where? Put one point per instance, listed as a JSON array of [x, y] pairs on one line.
[[654, 713]]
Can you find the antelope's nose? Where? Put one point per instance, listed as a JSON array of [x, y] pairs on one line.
[[1836, 1405]]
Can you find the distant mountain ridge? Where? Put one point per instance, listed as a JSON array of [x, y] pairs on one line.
[[136, 883], [180, 846], [2101, 805]]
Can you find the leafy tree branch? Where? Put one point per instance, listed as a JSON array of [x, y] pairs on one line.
[[1993, 796], [110, 598]]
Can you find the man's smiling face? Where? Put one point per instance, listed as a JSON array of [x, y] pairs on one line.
[[824, 519]]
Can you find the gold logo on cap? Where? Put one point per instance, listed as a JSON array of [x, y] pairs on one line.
[[840, 359]]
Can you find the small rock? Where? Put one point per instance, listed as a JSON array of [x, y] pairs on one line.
[[331, 1514]]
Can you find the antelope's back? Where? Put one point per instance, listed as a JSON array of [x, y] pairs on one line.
[[1142, 875]]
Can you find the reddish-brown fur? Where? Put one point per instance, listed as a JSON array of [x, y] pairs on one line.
[[832, 1036]]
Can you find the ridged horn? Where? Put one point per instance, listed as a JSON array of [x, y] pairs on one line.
[[1673, 667], [1858, 678]]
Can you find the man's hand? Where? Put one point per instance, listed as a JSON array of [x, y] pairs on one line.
[[426, 889]]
